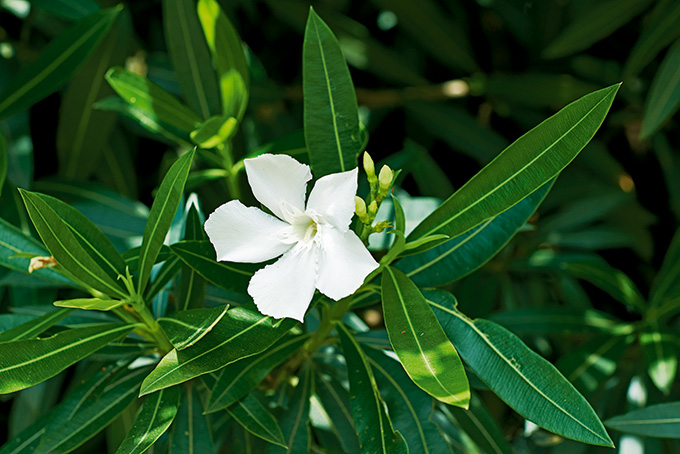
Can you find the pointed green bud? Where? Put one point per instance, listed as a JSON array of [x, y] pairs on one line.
[[369, 168], [373, 208], [385, 178], [360, 209]]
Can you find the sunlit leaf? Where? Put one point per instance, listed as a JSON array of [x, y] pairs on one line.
[[422, 346], [660, 420]]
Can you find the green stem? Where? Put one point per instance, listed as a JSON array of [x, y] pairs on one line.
[[232, 173]]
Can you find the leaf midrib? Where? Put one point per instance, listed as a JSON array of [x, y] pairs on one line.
[[522, 169], [512, 366]]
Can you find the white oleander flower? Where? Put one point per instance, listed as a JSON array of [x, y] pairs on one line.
[[317, 248]]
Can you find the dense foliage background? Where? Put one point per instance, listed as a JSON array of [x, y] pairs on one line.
[[443, 86]]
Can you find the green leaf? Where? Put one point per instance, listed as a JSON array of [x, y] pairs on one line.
[[94, 242], [410, 409], [660, 29], [560, 320], [190, 56], [29, 362], [480, 426], [335, 400], [526, 165], [96, 304], [462, 255], [419, 341], [214, 131], [157, 413], [187, 327], [90, 407], [239, 378], [166, 273], [228, 57], [155, 102], [14, 248], [660, 420], [664, 94], [523, 379], [190, 431], [373, 425], [68, 9], [149, 120], [600, 21], [294, 422], [331, 120], [661, 351], [73, 248], [200, 257], [161, 215], [192, 286], [255, 418], [57, 62], [239, 334], [34, 327], [82, 132]]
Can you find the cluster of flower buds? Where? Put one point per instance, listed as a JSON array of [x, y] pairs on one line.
[[381, 185]]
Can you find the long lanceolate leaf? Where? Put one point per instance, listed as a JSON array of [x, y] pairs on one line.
[[190, 430], [376, 434], [90, 408], [331, 119], [57, 62], [255, 418], [190, 57], [462, 255], [661, 420], [13, 243], [36, 326], [228, 57], [664, 94], [527, 164], [29, 362], [160, 217], [522, 378], [419, 341], [157, 413], [410, 408], [294, 423], [239, 334], [70, 249], [239, 378]]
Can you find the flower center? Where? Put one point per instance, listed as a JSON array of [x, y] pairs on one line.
[[310, 232]]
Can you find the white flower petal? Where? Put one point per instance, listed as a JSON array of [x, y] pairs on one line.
[[279, 182], [245, 234], [344, 263], [286, 287], [333, 198]]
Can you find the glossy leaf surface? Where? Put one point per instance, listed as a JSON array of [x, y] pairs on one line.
[[527, 164], [371, 420], [29, 362], [418, 340], [331, 121], [522, 378]]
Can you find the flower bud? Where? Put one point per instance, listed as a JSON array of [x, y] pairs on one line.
[[360, 209], [373, 208], [385, 178], [369, 168]]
